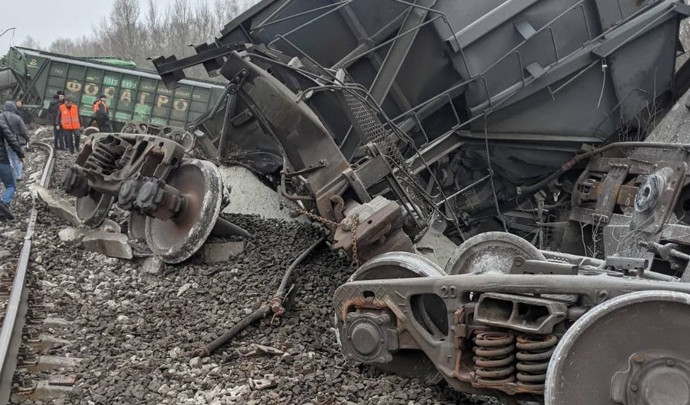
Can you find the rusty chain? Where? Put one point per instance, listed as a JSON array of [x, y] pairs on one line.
[[333, 226], [355, 259]]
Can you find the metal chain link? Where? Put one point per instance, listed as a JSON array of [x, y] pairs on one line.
[[333, 225], [355, 259], [314, 217]]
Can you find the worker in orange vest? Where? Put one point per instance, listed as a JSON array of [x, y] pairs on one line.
[[100, 115], [70, 125]]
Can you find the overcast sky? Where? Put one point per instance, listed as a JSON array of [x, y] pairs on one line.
[[46, 20]]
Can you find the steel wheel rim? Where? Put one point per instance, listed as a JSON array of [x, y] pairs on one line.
[[410, 363], [612, 356], [474, 255], [177, 240]]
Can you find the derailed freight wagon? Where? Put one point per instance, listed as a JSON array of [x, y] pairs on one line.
[[134, 95], [391, 117], [475, 103]]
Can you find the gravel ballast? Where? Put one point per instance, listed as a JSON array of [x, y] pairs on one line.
[[136, 330]]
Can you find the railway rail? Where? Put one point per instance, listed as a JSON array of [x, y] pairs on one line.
[[17, 302]]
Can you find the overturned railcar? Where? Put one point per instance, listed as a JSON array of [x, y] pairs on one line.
[[387, 118], [530, 82]]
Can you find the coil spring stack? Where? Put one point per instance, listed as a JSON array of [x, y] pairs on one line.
[[502, 358]]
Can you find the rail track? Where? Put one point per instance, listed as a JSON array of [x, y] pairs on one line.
[[17, 300]]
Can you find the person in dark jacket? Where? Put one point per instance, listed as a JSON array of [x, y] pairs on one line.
[[6, 170], [100, 114], [26, 117], [11, 117], [53, 110]]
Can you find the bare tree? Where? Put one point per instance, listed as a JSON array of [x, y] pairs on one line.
[[30, 42], [62, 45], [205, 27], [155, 30], [226, 10], [179, 19], [130, 33], [125, 34]]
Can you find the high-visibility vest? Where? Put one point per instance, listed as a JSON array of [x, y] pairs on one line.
[[97, 104], [69, 117]]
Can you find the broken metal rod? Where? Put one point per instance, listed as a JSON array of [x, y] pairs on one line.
[[223, 227], [273, 306]]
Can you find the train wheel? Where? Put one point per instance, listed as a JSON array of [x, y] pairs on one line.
[[93, 209], [431, 310], [631, 349], [490, 252], [176, 240]]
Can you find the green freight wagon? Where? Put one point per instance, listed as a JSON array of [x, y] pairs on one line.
[[134, 95]]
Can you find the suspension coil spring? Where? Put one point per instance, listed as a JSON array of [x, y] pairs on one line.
[[102, 157], [534, 353], [494, 357]]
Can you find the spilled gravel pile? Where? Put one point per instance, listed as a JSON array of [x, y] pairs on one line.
[[136, 327]]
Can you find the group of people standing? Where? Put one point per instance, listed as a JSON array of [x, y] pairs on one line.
[[14, 138], [67, 123]]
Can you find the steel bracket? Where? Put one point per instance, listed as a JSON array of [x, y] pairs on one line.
[[609, 191]]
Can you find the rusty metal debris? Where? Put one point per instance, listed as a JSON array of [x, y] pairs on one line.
[[273, 306]]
